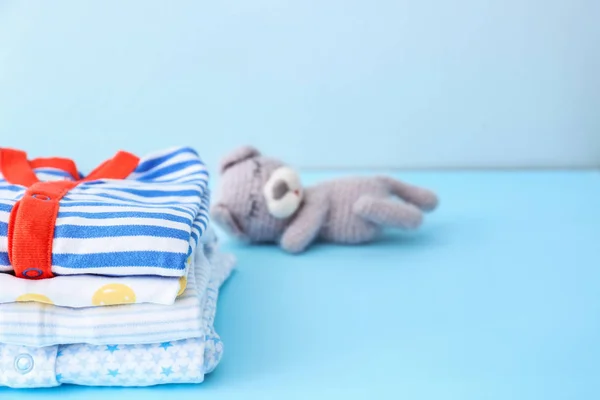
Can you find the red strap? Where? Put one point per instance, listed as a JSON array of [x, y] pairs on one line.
[[65, 164], [15, 168], [31, 229], [118, 167], [33, 218]]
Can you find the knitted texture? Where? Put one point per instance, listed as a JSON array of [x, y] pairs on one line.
[[242, 208], [349, 210]]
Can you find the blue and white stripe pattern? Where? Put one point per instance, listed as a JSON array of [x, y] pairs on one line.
[[146, 224]]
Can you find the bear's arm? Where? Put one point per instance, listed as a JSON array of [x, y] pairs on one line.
[[307, 224]]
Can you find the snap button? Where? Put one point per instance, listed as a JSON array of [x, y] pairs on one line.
[[23, 363], [42, 197], [32, 272]]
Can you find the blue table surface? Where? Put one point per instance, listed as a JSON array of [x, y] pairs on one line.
[[496, 297]]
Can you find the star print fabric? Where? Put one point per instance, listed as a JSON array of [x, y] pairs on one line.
[[183, 361]]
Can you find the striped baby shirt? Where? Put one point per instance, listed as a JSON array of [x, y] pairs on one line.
[[130, 216], [81, 291]]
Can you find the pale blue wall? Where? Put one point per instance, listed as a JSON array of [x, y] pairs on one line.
[[322, 83]]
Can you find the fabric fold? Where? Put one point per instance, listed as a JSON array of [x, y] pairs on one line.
[[167, 362], [80, 291], [35, 324]]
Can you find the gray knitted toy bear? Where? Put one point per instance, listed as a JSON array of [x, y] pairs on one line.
[[261, 200]]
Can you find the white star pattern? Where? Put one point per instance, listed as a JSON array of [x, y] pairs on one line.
[[157, 357], [42, 373], [144, 365]]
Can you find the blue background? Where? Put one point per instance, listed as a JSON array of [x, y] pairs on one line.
[[321, 83]]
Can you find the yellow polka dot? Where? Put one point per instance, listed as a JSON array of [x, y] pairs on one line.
[[114, 293], [189, 260], [182, 285], [38, 298]]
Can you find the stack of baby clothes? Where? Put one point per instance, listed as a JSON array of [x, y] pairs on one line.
[[109, 279]]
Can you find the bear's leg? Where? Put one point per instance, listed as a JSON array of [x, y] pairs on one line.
[[425, 199], [388, 212]]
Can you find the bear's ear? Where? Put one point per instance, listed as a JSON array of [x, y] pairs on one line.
[[221, 215], [238, 155]]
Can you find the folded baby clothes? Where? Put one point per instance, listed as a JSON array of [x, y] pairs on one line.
[[181, 361], [129, 217], [109, 279], [79, 291], [36, 324]]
